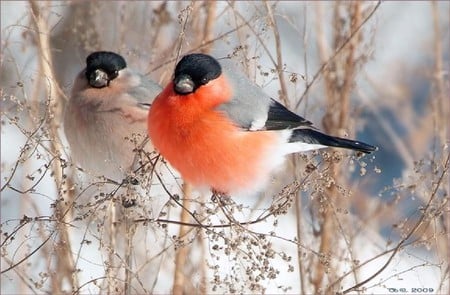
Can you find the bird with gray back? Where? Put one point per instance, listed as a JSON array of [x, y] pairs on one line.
[[108, 109]]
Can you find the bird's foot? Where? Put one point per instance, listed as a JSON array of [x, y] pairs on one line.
[[220, 197], [129, 199], [131, 180], [128, 202]]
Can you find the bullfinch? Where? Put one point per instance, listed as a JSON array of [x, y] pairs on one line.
[[221, 132], [107, 109]]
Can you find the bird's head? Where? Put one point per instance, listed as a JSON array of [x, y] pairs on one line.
[[102, 67], [201, 75]]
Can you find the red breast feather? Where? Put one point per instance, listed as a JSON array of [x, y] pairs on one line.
[[204, 145]]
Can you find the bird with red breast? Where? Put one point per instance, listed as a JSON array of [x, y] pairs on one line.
[[222, 132]]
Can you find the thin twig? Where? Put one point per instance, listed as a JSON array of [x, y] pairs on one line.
[[66, 262], [29, 255], [197, 48], [279, 65], [208, 30], [181, 254], [325, 64], [411, 232]]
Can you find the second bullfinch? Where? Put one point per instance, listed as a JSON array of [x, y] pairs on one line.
[[107, 108], [220, 131]]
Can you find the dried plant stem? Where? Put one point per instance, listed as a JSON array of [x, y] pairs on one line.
[[326, 232], [305, 55], [441, 112], [279, 65], [208, 34], [182, 34], [298, 219], [336, 53], [338, 84], [130, 228], [240, 34], [181, 254], [423, 218], [349, 65], [203, 286], [298, 200], [111, 270], [65, 262], [441, 99], [208, 30], [326, 226]]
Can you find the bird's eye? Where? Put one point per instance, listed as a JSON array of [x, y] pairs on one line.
[[113, 75], [204, 80]]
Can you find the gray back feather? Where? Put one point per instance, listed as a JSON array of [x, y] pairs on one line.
[[252, 109], [250, 105]]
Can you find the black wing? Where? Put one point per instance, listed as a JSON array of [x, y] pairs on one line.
[[279, 117]]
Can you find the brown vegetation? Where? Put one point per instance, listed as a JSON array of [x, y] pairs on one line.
[[354, 218]]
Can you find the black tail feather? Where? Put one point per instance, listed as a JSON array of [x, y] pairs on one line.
[[315, 137]]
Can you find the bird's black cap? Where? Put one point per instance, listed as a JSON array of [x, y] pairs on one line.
[[195, 70], [107, 62]]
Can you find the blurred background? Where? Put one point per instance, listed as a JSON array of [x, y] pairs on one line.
[[331, 222]]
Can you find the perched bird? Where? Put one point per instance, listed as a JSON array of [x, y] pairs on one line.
[[107, 109], [220, 131]]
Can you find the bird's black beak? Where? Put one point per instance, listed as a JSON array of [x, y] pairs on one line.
[[183, 84], [98, 79]]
